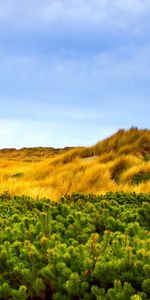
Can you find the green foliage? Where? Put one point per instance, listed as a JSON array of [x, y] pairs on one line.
[[17, 175], [147, 158], [140, 177], [83, 247], [146, 286]]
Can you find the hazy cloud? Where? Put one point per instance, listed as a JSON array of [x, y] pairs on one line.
[[96, 12], [73, 65]]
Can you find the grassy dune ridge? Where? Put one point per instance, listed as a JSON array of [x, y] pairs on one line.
[[118, 163]]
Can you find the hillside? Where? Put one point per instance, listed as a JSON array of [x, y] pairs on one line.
[[118, 163]]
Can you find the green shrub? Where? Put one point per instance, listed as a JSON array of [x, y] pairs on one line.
[[83, 247], [140, 177], [17, 175]]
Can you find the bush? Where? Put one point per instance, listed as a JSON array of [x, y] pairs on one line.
[[83, 247], [140, 177]]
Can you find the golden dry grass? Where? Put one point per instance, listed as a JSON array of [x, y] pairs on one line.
[[108, 166]]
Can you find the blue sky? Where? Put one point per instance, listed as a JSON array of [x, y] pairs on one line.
[[72, 71]]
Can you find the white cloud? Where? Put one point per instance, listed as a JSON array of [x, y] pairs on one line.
[[43, 14], [90, 84], [71, 88]]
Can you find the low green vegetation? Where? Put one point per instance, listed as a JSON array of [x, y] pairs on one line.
[[17, 175], [83, 247], [140, 177], [147, 158]]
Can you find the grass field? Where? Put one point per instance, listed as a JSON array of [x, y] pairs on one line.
[[118, 163]]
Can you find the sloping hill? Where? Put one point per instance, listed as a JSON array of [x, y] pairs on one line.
[[118, 163], [133, 141]]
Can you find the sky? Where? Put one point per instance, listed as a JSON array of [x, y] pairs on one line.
[[72, 72]]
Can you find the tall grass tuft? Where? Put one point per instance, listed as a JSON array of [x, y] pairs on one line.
[[120, 162]]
